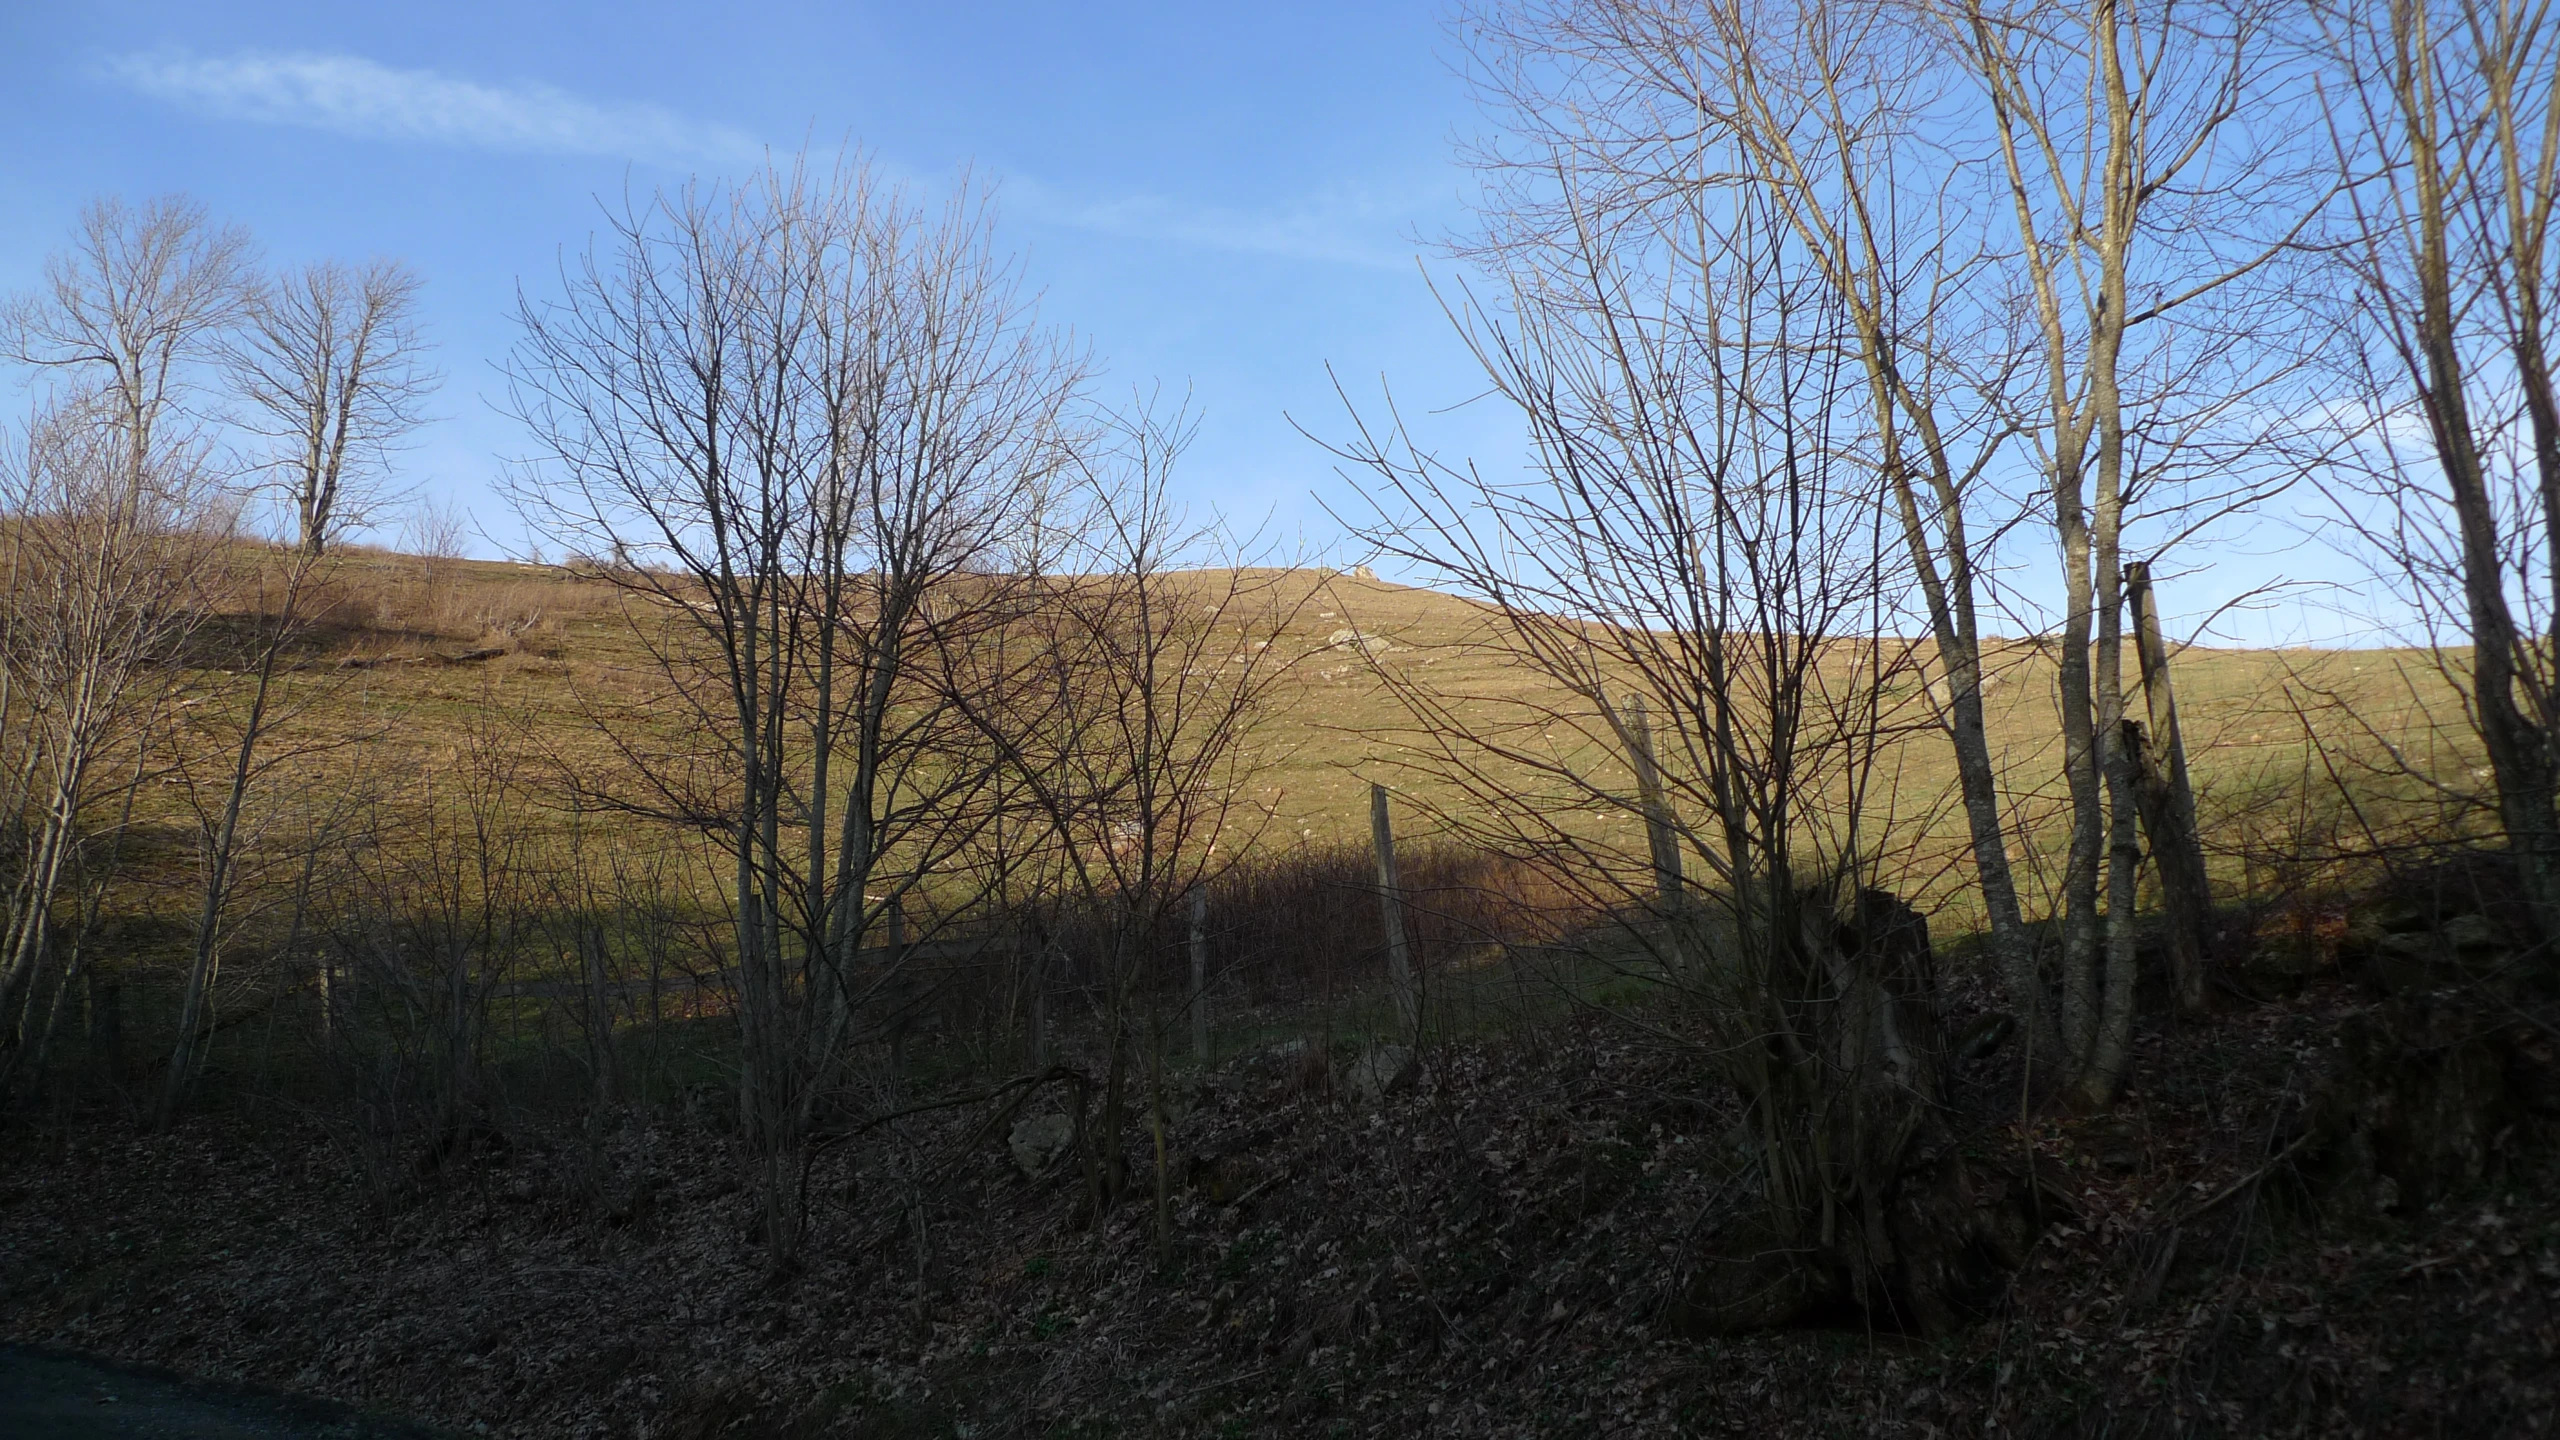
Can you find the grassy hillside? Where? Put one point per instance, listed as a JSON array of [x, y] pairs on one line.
[[434, 686], [566, 650]]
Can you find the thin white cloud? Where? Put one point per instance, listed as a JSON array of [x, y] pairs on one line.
[[1345, 234], [351, 95]]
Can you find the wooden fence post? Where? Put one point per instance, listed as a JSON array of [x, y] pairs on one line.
[[2167, 801], [1036, 946], [1200, 973], [900, 1019], [1400, 974], [108, 1035], [1661, 838], [1661, 834], [591, 941]]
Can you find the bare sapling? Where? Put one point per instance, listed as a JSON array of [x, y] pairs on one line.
[[274, 618], [331, 367], [440, 906], [1129, 691], [436, 532]]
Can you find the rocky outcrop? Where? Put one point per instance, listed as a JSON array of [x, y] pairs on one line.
[[1038, 1140]]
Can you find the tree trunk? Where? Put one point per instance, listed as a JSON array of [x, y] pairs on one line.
[[2111, 1048], [1662, 837], [2168, 802], [599, 1013], [2520, 758], [1400, 974], [2085, 860], [1871, 1204]]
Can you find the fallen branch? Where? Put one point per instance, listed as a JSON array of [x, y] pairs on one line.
[[2244, 1182]]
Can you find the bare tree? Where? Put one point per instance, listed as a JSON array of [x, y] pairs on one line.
[[1703, 562], [1998, 204], [334, 368], [106, 590], [107, 510], [2137, 197], [134, 311], [2444, 120], [809, 416], [1833, 113], [435, 532]]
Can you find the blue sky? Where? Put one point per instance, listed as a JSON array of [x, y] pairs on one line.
[[1219, 198], [1224, 198]]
